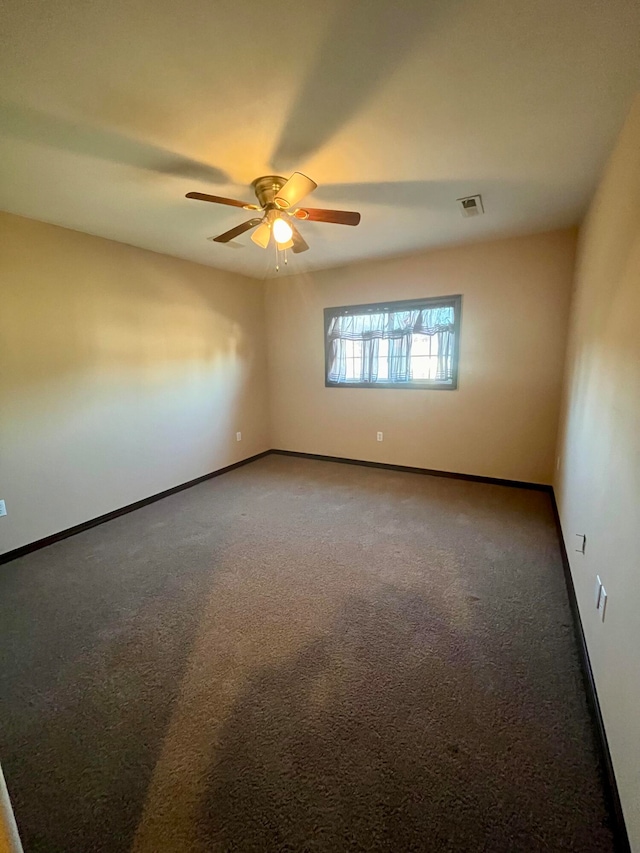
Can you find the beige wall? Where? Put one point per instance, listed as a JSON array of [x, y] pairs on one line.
[[502, 420], [598, 485], [9, 838], [123, 373]]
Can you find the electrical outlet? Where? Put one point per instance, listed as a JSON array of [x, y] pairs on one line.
[[379, 436], [238, 436], [3, 508], [602, 604]]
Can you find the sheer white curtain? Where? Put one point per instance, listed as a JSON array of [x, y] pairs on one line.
[[398, 327]]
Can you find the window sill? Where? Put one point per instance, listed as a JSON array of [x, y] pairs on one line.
[[405, 386]]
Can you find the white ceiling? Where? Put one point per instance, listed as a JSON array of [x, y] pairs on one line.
[[112, 110]]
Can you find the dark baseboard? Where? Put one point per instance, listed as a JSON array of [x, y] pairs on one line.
[[108, 516], [610, 785], [476, 478]]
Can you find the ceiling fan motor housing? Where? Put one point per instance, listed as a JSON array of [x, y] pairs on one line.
[[266, 189]]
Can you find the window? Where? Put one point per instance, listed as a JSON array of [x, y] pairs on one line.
[[410, 344]]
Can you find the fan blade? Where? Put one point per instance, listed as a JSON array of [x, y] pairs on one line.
[[220, 200], [299, 244], [336, 217], [262, 235], [296, 188], [235, 232]]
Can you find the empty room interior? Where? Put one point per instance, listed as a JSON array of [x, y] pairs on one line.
[[320, 426]]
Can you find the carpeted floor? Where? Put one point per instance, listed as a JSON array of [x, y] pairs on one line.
[[301, 656]]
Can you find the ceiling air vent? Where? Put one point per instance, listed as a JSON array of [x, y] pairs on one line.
[[471, 205]]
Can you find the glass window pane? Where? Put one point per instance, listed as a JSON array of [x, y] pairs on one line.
[[383, 361]]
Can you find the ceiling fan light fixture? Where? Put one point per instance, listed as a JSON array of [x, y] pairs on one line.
[[262, 235], [295, 189], [282, 231]]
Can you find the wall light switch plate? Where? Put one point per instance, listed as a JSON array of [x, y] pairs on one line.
[[602, 606], [238, 436], [3, 508], [598, 591], [379, 436]]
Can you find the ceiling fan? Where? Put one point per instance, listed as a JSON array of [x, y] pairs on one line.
[[277, 198]]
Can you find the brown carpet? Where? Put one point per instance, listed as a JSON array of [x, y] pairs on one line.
[[301, 656]]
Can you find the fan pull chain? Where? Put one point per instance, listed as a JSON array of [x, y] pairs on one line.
[[284, 253]]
